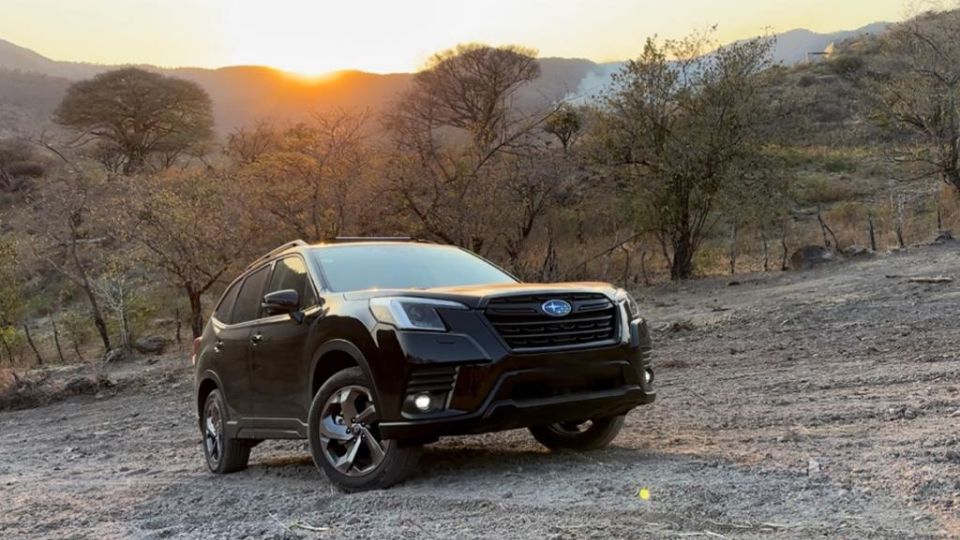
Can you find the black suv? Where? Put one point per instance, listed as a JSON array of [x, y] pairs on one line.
[[372, 348]]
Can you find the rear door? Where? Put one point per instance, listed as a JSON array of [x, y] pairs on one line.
[[279, 368], [233, 340]]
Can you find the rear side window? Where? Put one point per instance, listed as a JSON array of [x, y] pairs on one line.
[[291, 273], [224, 310], [251, 294]]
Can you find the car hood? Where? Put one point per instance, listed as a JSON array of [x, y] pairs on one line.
[[475, 296]]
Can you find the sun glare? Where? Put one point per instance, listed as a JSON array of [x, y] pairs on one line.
[[312, 38]]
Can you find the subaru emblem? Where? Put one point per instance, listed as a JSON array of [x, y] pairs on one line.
[[556, 308]]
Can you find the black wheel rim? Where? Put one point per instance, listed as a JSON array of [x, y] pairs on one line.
[[349, 438], [571, 429], [213, 434]]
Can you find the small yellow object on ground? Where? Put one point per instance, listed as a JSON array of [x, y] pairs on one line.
[[644, 494]]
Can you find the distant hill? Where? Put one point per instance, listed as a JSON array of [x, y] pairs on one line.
[[31, 84], [797, 45]]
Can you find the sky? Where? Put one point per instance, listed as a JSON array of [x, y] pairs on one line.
[[317, 36]]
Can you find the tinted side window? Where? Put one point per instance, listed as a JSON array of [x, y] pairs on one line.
[[291, 273], [224, 310], [251, 294]]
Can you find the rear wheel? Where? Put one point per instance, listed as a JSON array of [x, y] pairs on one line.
[[223, 454], [579, 435], [345, 440]]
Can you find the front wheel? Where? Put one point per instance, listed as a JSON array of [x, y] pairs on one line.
[[345, 440], [579, 435]]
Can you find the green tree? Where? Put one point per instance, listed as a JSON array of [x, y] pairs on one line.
[[679, 128], [135, 115], [565, 124], [11, 299]]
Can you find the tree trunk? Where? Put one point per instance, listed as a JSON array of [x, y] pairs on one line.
[[899, 225], [76, 349], [196, 312], [26, 331], [643, 266], [824, 228], [56, 340], [682, 265], [766, 249], [783, 244], [733, 249], [91, 297], [179, 325], [626, 266], [6, 347]]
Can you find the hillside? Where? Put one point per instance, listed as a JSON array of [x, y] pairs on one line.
[[32, 84]]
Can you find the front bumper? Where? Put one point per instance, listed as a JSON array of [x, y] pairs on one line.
[[494, 389]]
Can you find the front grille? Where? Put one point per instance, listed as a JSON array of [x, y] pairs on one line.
[[441, 379], [523, 325]]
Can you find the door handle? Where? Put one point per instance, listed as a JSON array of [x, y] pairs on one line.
[[257, 338], [218, 346]]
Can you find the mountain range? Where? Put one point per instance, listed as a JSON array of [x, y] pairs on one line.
[[31, 85]]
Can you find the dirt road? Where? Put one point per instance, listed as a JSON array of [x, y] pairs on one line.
[[822, 404]]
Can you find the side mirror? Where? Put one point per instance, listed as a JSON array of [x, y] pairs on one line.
[[281, 302]]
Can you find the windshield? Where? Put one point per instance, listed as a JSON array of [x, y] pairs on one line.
[[403, 266]]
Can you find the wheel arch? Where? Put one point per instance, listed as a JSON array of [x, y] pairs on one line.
[[336, 355], [208, 382]]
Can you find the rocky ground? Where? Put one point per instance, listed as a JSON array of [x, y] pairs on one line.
[[823, 403]]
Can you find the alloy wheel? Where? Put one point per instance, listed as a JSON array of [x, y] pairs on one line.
[[348, 431], [571, 428], [213, 433]]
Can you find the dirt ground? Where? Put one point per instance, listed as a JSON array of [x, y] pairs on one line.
[[816, 404]]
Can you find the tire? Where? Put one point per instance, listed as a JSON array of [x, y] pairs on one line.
[[222, 454], [335, 437], [591, 434]]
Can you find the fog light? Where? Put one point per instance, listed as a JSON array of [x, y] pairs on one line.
[[422, 402]]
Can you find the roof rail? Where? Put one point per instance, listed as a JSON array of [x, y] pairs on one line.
[[278, 250], [372, 239]]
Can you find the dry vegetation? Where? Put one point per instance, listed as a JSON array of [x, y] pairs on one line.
[[129, 223]]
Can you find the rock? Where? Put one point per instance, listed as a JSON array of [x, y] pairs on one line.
[[81, 385], [856, 251], [150, 345], [813, 468], [807, 257], [680, 326], [943, 237], [114, 355]]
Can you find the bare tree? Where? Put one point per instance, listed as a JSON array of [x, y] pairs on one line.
[[69, 230], [247, 145], [310, 177], [461, 164], [190, 226]]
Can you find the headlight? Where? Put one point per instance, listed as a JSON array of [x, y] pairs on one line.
[[411, 313], [631, 305]]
